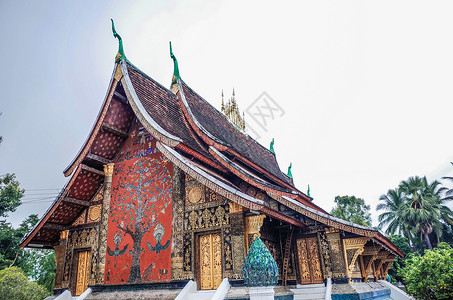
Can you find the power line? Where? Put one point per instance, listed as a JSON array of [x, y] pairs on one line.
[[42, 189]]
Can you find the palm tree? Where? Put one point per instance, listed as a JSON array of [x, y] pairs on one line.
[[393, 205], [423, 209]]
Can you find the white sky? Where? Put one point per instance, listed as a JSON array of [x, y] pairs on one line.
[[365, 86]]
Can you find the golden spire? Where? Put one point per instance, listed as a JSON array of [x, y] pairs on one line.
[[231, 111]]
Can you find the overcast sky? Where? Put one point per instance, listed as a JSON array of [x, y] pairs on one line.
[[365, 87]]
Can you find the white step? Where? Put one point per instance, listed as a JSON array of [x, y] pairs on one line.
[[308, 286], [309, 292], [201, 295], [318, 290], [309, 297]]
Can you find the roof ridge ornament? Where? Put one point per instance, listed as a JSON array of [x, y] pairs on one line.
[[308, 191], [290, 175], [176, 75], [271, 148], [120, 55]]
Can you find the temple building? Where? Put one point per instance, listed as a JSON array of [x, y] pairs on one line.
[[168, 189]]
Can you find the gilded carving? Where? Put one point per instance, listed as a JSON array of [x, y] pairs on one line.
[[94, 213], [210, 261], [64, 234], [177, 224], [81, 219], [337, 255], [325, 254], [194, 195], [353, 248], [253, 225], [309, 263], [101, 253], [234, 207]]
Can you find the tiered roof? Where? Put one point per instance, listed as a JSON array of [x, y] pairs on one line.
[[197, 138]]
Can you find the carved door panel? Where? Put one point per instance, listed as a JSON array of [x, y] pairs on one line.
[[83, 271], [210, 261], [309, 263]]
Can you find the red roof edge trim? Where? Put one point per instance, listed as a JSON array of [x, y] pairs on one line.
[[147, 121], [389, 244], [208, 180], [209, 139], [195, 154], [205, 135], [247, 178], [96, 127], [277, 215], [51, 210], [260, 169]]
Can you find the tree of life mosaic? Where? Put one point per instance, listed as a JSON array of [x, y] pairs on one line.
[[139, 232]]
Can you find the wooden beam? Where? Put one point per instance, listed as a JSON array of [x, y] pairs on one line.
[[99, 159], [55, 226], [115, 130], [92, 170], [76, 201], [120, 98]]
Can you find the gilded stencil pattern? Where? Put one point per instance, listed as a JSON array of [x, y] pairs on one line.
[[177, 248], [336, 251], [312, 246], [227, 249], [238, 255], [188, 251], [59, 260], [207, 218], [77, 239], [325, 254], [304, 268], [210, 261]]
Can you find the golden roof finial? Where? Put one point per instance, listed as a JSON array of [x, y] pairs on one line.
[[231, 111]]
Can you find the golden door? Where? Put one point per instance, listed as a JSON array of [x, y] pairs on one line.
[[210, 261], [83, 271], [308, 258]]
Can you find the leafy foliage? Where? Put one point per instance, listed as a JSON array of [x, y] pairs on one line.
[[430, 276], [10, 194], [35, 263], [352, 209], [398, 263], [14, 285], [416, 209]]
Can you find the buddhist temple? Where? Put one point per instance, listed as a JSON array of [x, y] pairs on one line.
[[167, 189]]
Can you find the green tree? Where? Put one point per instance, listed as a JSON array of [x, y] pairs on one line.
[[430, 276], [352, 209], [398, 263], [392, 217], [14, 285], [424, 207], [10, 194]]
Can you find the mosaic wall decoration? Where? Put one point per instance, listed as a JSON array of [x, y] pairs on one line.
[[260, 268], [140, 220]]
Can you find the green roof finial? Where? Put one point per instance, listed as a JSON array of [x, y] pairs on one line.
[[272, 146], [175, 66], [120, 54], [308, 191], [290, 175]]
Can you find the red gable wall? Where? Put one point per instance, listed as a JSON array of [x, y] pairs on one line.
[[139, 230]]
